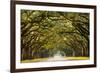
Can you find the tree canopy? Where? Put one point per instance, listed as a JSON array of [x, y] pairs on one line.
[[43, 33]]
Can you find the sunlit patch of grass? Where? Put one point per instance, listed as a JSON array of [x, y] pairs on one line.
[[46, 59], [77, 58], [34, 60]]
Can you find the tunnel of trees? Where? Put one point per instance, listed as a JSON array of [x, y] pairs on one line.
[[43, 33]]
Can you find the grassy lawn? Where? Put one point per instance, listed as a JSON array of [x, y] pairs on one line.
[[46, 59]]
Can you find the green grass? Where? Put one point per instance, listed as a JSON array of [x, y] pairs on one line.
[[77, 58], [46, 59], [34, 60]]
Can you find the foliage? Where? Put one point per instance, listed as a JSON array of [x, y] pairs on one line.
[[43, 33]]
